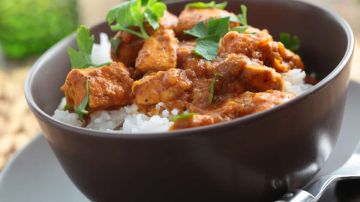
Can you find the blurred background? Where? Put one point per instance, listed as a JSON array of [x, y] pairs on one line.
[[30, 27]]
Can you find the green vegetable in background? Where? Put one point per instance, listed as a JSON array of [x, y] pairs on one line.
[[182, 116], [290, 42], [81, 109], [30, 27], [211, 4], [131, 14]]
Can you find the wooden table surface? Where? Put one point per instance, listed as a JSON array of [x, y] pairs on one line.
[[17, 124]]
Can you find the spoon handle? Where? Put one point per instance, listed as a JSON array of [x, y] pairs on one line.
[[298, 196]]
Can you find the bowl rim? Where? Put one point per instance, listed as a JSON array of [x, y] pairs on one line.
[[167, 134]]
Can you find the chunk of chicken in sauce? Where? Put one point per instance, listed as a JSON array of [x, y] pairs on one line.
[[128, 49], [189, 17], [172, 87], [260, 45], [237, 74], [241, 105], [109, 87], [130, 45], [158, 52]]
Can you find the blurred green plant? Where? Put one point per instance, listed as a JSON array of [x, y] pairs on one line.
[[31, 26]]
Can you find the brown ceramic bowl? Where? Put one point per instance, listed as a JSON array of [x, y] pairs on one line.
[[254, 158]]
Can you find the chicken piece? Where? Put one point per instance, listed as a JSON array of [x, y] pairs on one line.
[[168, 21], [130, 45], [187, 60], [261, 78], [184, 51], [255, 76], [235, 75], [261, 46], [109, 87], [163, 86], [244, 43], [195, 121], [249, 102], [128, 49], [231, 108], [277, 56], [158, 52], [189, 17]]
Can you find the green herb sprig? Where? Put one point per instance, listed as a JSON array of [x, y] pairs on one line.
[[82, 58], [131, 14], [81, 109], [290, 42], [208, 35], [242, 19], [203, 5], [182, 116], [212, 86], [243, 16]]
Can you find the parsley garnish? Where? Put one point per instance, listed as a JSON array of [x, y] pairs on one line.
[[290, 42], [208, 35], [242, 19], [182, 116], [211, 4], [207, 44], [82, 57], [81, 109], [130, 14], [243, 16], [67, 107], [212, 86], [240, 29]]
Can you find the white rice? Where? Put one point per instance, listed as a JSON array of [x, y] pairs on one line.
[[294, 81], [101, 52], [129, 120]]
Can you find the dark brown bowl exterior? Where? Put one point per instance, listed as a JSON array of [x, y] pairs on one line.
[[256, 158]]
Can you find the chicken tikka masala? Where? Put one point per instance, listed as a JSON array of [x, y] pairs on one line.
[[207, 63]]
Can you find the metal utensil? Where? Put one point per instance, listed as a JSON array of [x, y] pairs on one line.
[[313, 191]]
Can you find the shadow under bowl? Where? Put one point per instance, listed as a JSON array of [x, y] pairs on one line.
[[254, 158]]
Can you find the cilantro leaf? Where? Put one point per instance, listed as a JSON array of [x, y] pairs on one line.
[[199, 30], [243, 16], [182, 116], [126, 16], [211, 4], [153, 12], [240, 29], [207, 47], [290, 42], [82, 57], [218, 27], [67, 107], [212, 86], [81, 109], [79, 59], [207, 44], [130, 14]]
